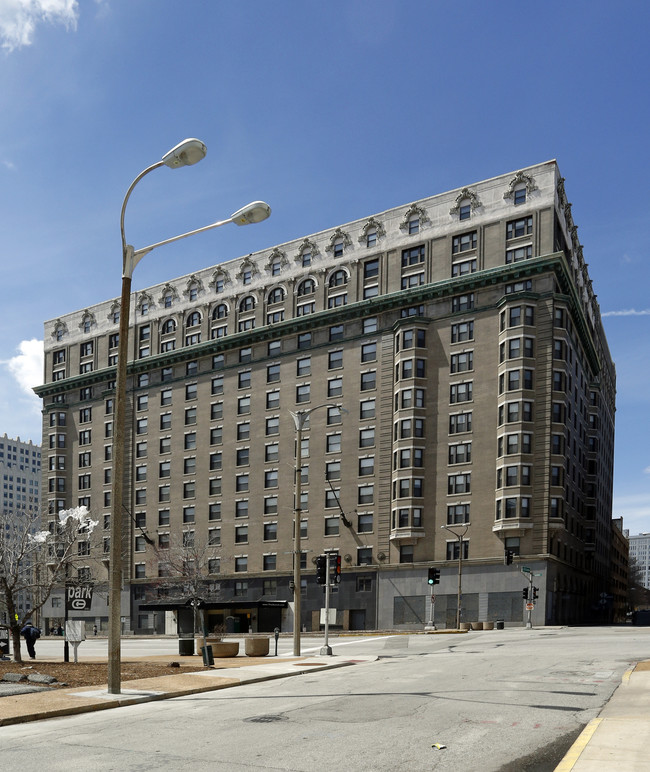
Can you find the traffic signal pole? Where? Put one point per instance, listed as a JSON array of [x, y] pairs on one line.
[[326, 649]]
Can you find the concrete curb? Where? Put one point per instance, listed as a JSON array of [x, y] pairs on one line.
[[37, 706]]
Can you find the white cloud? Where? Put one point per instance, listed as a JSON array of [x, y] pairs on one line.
[[19, 18], [646, 470], [628, 312], [27, 366]]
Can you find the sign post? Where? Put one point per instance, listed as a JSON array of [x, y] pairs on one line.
[[78, 597]]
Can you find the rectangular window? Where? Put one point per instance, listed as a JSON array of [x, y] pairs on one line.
[[462, 302], [460, 392], [463, 242], [521, 227]]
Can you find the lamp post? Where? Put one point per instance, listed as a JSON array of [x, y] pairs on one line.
[[186, 153], [459, 536], [300, 418]]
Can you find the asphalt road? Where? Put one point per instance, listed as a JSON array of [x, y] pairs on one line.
[[497, 700]]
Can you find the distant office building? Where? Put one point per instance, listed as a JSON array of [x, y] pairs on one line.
[[640, 557], [20, 467], [462, 336]]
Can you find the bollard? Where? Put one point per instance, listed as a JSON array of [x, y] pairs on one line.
[[276, 632]]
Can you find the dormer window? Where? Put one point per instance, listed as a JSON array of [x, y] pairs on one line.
[[337, 248], [371, 238], [306, 258], [247, 276], [413, 225], [464, 211], [193, 292], [520, 195]]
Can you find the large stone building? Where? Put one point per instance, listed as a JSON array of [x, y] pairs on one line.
[[463, 338]]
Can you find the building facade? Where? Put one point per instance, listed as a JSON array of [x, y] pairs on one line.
[[20, 467], [462, 338]]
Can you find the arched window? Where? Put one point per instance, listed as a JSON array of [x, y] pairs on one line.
[[307, 287], [338, 278], [247, 303], [220, 312], [194, 319], [276, 295], [168, 326]]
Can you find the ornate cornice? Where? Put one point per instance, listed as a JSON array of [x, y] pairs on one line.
[[414, 210], [222, 274], [339, 234], [307, 245], [87, 316], [60, 328], [144, 297], [371, 224], [245, 264], [276, 255], [465, 194], [517, 180], [193, 283], [168, 289]]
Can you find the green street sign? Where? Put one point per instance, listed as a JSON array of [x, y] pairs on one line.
[[525, 569]]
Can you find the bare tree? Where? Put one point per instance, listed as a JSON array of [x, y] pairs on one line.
[[186, 573], [33, 562]]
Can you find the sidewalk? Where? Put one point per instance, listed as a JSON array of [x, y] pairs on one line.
[[620, 737], [51, 703]]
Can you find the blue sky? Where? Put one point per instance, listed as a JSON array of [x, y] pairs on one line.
[[330, 111]]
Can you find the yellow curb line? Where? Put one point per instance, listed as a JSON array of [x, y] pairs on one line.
[[573, 754], [626, 675]]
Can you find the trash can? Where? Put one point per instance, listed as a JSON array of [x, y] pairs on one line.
[[500, 624], [186, 646]]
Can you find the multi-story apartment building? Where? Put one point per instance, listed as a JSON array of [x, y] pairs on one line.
[[20, 467], [463, 338]]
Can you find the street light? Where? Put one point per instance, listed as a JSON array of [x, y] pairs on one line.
[[459, 536], [300, 418], [186, 153]]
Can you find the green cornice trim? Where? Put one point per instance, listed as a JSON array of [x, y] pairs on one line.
[[489, 277]]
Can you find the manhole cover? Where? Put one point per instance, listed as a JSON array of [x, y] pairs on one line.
[[265, 719]]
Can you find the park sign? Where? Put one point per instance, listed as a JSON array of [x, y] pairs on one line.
[[78, 597]]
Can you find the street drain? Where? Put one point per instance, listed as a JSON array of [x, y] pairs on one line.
[[265, 719]]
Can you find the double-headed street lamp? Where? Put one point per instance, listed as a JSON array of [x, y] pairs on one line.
[[300, 419], [459, 536], [186, 153]]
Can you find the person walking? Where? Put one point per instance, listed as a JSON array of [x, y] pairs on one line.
[[30, 634]]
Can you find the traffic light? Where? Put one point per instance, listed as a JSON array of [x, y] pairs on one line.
[[535, 593], [433, 576], [524, 593], [321, 569], [336, 568], [507, 557]]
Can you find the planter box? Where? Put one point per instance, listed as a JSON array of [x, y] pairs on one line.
[[222, 649], [465, 625], [256, 647], [488, 625], [477, 625]]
